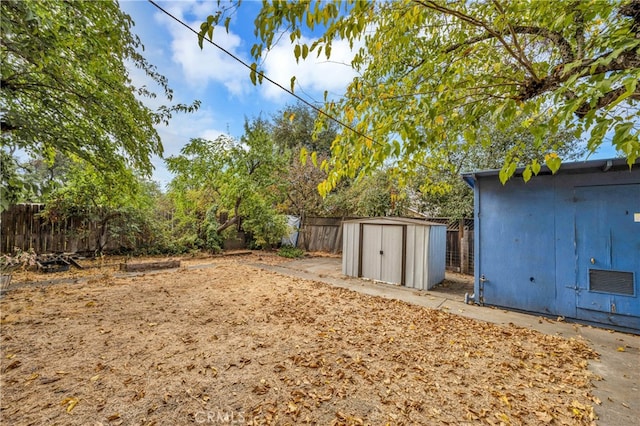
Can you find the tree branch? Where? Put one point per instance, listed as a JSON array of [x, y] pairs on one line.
[[605, 100], [632, 10], [566, 51], [430, 4], [579, 34], [626, 60], [227, 224]]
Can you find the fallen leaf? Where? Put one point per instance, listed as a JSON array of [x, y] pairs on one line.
[[70, 403], [544, 417], [505, 400], [621, 349], [503, 418], [14, 364]]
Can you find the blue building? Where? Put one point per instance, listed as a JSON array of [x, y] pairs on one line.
[[566, 244]]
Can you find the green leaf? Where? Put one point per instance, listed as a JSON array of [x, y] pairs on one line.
[[252, 75], [553, 162], [296, 52], [303, 155], [535, 167], [507, 171]]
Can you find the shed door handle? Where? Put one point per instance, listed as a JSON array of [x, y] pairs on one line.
[[381, 252]]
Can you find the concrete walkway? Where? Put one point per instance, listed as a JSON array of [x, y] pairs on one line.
[[619, 363]]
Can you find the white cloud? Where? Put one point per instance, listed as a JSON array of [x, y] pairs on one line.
[[313, 75], [202, 66]]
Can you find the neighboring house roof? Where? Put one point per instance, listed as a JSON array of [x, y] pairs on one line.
[[566, 168]]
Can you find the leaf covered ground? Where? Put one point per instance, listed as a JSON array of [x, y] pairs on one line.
[[234, 344]]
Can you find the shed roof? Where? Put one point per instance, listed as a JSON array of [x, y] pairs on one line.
[[566, 168], [393, 221]]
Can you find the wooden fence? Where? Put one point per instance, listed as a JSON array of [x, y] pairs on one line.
[[23, 227], [325, 234]]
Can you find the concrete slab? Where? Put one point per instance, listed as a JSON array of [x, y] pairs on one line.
[[618, 366]]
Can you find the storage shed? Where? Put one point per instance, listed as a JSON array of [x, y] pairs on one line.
[[410, 252], [566, 244]]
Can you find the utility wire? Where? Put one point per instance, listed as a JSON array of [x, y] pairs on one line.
[[262, 75]]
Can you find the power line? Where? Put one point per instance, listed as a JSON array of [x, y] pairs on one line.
[[262, 75]]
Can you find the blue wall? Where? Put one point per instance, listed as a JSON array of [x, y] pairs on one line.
[[536, 242]]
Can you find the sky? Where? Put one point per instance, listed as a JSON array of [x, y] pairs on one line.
[[220, 82]]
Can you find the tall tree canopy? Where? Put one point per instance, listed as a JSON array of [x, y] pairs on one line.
[[434, 73], [236, 178], [65, 86]]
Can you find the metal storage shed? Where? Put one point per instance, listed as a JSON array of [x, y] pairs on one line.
[[409, 252], [566, 244]]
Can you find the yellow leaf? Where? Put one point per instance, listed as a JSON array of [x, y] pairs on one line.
[[620, 349], [94, 378], [291, 117], [503, 417], [505, 400], [350, 113], [70, 403], [439, 120]]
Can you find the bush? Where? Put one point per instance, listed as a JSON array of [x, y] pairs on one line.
[[290, 252]]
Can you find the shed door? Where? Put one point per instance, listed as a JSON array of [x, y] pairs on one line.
[[382, 253], [608, 249]]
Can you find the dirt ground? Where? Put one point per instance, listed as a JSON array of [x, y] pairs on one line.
[[229, 343]]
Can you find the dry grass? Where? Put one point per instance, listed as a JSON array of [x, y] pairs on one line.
[[236, 344]]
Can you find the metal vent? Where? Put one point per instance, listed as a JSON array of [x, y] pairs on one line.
[[611, 281]]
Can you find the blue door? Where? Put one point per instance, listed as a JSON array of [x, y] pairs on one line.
[[516, 263], [608, 254]]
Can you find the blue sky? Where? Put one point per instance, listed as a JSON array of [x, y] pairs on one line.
[[222, 84], [217, 80]]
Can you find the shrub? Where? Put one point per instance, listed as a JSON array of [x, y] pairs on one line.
[[290, 252]]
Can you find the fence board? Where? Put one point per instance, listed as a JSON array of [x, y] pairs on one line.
[[22, 226]]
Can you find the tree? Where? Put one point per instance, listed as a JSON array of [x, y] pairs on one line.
[[232, 179], [434, 73], [118, 201], [294, 128], [378, 194], [440, 192], [65, 87]]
